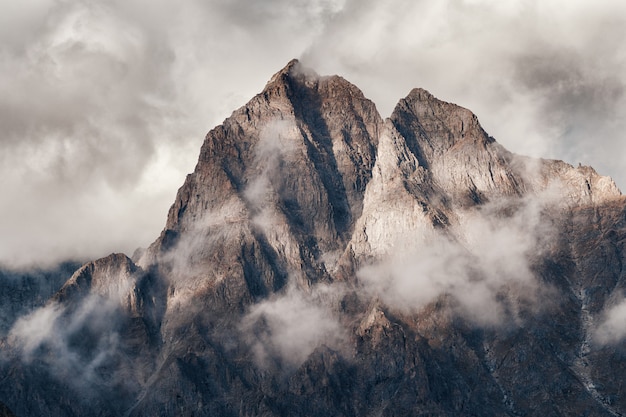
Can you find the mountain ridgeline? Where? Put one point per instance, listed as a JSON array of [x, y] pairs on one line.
[[323, 261]]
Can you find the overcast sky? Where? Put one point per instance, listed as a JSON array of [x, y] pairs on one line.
[[104, 104]]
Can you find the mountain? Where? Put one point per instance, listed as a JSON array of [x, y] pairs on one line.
[[323, 261]]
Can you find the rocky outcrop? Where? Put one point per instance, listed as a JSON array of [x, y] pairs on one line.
[[322, 261], [449, 142]]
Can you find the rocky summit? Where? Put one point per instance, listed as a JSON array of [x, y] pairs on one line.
[[321, 260]]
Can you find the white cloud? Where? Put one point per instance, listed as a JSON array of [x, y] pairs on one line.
[[40, 326], [98, 97], [70, 342], [290, 326], [485, 265], [612, 328], [103, 106], [276, 144], [546, 78]]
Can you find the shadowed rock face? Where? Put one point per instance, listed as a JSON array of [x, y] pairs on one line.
[[323, 261], [5, 412]]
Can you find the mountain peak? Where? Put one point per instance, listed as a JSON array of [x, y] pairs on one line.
[[301, 86], [424, 106], [420, 94], [293, 70], [285, 71]]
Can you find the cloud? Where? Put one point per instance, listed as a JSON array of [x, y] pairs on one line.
[[545, 78], [288, 327], [611, 329], [81, 106], [104, 105], [70, 343], [484, 265], [197, 247], [30, 331], [276, 145], [73, 340]]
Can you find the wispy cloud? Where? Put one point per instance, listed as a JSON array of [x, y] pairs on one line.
[[485, 264], [285, 329], [277, 145], [73, 339], [611, 328], [71, 345]]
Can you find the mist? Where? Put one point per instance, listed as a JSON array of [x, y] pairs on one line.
[[484, 264], [80, 339], [70, 344], [285, 329], [611, 329]]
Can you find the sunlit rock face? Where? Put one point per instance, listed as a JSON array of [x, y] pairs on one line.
[[323, 261]]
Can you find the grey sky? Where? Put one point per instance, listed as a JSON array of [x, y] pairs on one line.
[[104, 105]]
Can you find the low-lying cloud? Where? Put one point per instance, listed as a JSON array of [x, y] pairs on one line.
[[288, 327], [70, 345], [485, 265], [233, 217], [72, 340], [276, 145], [196, 247], [612, 327]]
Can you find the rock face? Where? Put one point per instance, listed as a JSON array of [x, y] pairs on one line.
[[323, 261]]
